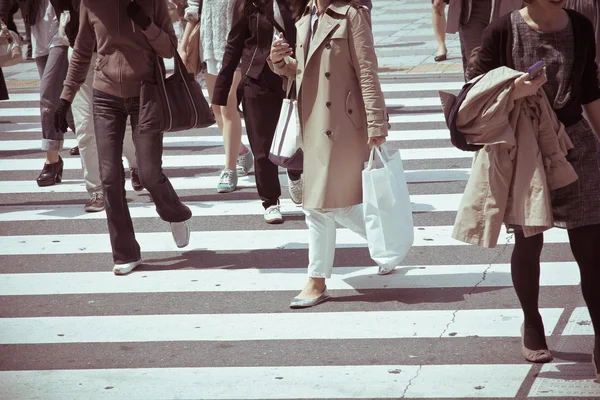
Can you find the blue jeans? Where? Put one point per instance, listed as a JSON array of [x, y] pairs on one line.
[[110, 120]]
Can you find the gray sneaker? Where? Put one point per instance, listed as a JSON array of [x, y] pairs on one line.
[[296, 189], [227, 181], [245, 163], [95, 203]]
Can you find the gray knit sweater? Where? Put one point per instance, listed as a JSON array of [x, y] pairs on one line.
[[215, 24]]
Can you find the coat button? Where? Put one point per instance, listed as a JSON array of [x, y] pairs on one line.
[[328, 104], [327, 74], [328, 133], [328, 46], [488, 148], [350, 111]]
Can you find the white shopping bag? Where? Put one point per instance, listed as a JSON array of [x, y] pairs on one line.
[[387, 208]]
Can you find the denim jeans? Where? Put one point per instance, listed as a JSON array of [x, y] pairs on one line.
[[110, 120], [53, 71]]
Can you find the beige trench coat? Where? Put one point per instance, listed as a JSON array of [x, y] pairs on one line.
[[459, 11], [340, 102], [523, 159]]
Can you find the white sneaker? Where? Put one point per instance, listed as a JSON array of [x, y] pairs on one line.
[[181, 233], [296, 188], [124, 269], [273, 215]]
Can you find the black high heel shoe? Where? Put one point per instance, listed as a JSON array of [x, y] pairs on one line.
[[51, 173]]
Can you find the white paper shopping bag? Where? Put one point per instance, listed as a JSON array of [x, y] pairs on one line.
[[387, 208]]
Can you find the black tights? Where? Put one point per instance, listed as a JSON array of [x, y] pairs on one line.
[[525, 269]]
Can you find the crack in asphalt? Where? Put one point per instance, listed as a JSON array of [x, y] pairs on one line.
[[447, 328]]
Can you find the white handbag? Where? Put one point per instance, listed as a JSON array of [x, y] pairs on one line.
[[286, 148], [387, 208], [11, 48]]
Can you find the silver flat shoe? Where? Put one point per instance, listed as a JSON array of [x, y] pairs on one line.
[[383, 271], [305, 303]]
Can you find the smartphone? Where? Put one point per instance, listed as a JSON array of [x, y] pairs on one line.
[[535, 70]]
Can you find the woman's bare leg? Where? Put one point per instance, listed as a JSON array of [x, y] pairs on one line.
[[438, 18], [228, 120]]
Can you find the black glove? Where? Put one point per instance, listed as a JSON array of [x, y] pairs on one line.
[[60, 116], [136, 13]]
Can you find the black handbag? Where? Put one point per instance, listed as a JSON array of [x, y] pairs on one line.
[[175, 103]]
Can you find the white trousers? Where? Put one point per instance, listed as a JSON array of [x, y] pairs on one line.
[[321, 236], [82, 108]]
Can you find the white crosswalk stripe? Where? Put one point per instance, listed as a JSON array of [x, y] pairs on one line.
[[211, 321]]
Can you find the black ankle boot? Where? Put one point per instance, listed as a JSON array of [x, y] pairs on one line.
[[51, 173]]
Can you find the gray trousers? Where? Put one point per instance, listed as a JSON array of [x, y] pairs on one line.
[[471, 33], [53, 71]]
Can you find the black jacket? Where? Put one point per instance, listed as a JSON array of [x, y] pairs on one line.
[[250, 41], [496, 51]]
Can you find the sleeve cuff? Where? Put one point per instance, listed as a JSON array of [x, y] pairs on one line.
[[377, 128], [68, 94], [192, 14]]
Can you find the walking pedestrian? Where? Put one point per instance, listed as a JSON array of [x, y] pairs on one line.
[[260, 91], [82, 109], [470, 18], [564, 41], [128, 42], [50, 54], [343, 114], [215, 19], [438, 19]]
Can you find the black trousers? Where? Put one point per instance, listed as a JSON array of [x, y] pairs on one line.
[[110, 120], [261, 100], [3, 89]]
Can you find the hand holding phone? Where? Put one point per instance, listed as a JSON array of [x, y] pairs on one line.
[[530, 82], [535, 70]]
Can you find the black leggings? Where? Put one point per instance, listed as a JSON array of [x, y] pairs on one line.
[[525, 269]]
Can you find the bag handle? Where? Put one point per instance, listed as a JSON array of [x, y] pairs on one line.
[[291, 94], [381, 152]]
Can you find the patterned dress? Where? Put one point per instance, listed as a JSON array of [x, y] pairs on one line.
[[577, 204], [215, 23]]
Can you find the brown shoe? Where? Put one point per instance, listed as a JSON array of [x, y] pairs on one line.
[[534, 356], [135, 180], [95, 203]]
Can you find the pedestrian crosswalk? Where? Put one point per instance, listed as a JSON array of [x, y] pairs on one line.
[[211, 321]]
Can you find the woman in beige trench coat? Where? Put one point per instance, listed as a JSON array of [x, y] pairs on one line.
[[343, 114]]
